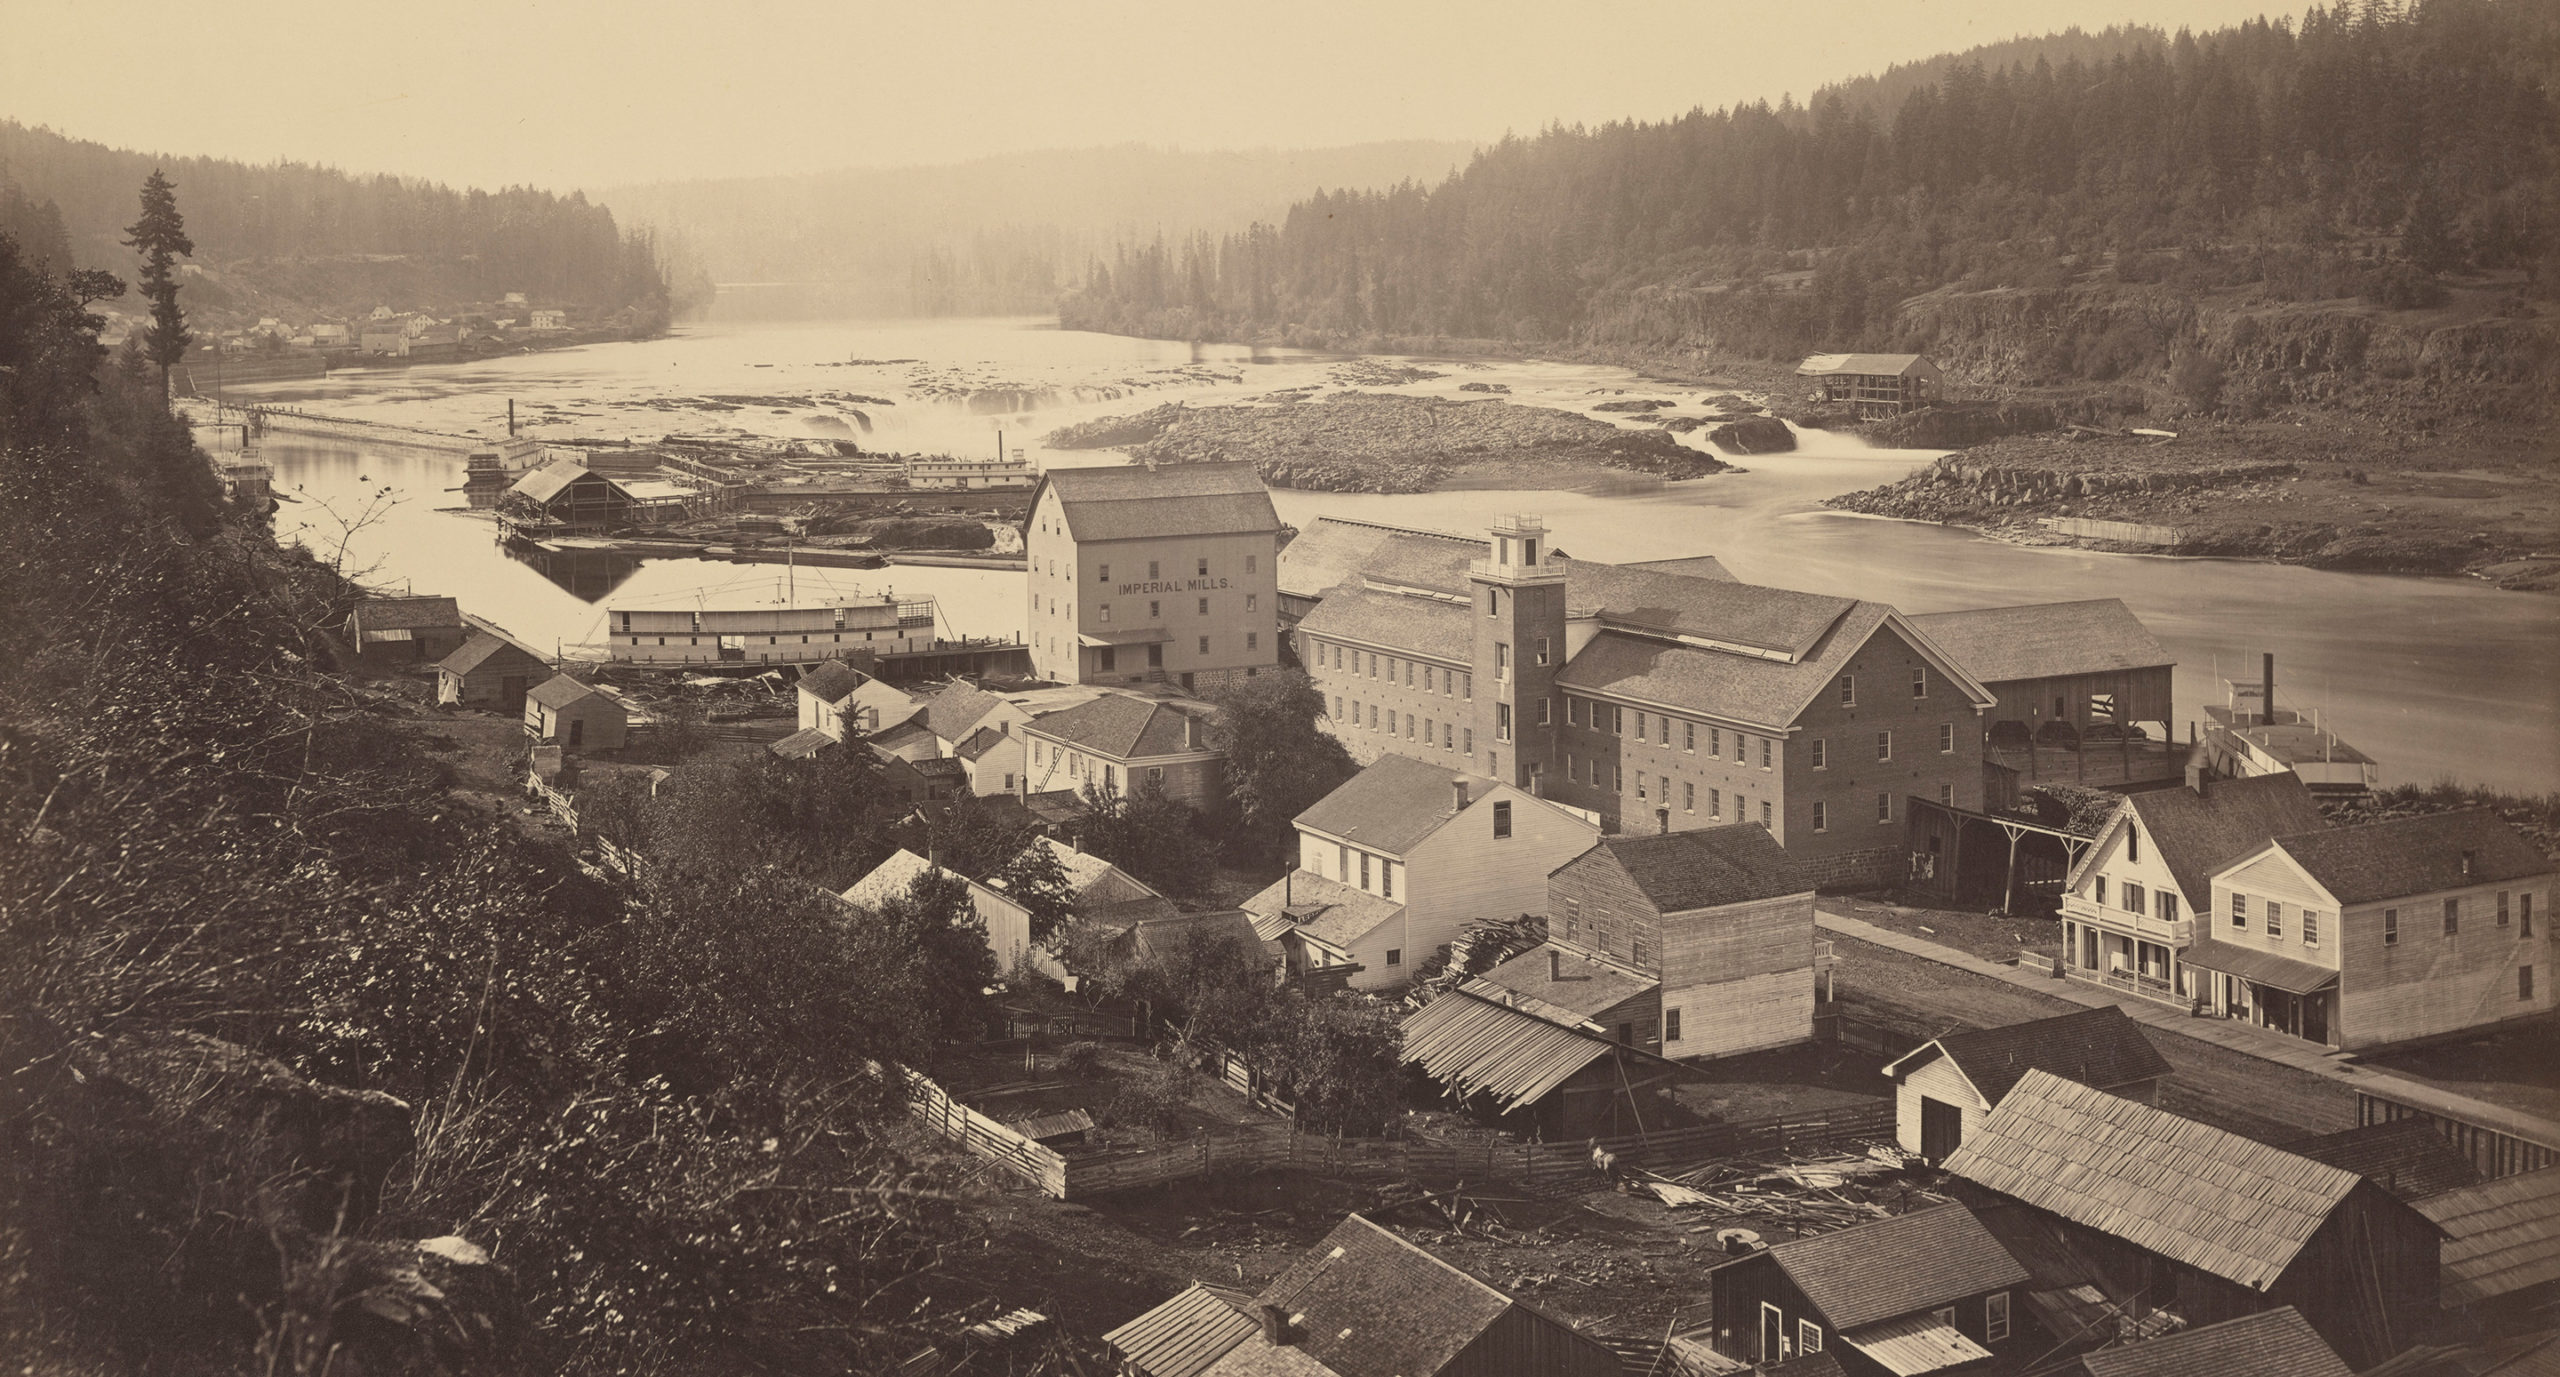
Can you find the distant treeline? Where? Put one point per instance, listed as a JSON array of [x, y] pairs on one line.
[[2361, 151], [318, 237]]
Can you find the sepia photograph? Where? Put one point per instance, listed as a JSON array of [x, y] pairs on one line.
[[1656, 688]]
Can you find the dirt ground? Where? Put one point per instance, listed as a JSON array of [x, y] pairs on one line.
[[1975, 934], [991, 1079], [2518, 1066], [2259, 1099], [1788, 1081]]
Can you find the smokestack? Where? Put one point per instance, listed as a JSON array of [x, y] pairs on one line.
[[1555, 966], [1458, 791], [511, 418], [1275, 1325], [999, 446], [2267, 683]]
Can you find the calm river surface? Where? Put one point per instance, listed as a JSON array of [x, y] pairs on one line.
[[2434, 678]]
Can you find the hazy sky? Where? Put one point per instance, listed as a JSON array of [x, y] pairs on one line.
[[596, 92]]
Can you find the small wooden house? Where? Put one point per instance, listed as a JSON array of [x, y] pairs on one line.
[[1874, 385], [489, 671], [2180, 1216], [1361, 1303], [1929, 1291], [1007, 923], [2272, 1343], [1945, 1087], [574, 716], [406, 630]]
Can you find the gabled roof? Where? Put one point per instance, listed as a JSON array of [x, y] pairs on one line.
[[1909, 1264], [1689, 566], [802, 744], [1092, 879], [1365, 606], [407, 614], [1678, 872], [951, 713], [1183, 1336], [1365, 1303], [482, 648], [2406, 1157], [2271, 1343], [2502, 1235], [891, 879], [1741, 687], [1120, 727], [1327, 910], [2198, 834], [2399, 857], [554, 478], [1159, 501], [2045, 640], [832, 682], [898, 735], [1166, 935], [2099, 1047], [1394, 804], [1332, 549], [2216, 1201], [1476, 1043], [559, 691], [1722, 610], [981, 741], [1868, 365], [1589, 987]]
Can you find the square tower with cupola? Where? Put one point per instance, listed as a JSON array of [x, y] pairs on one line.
[[1519, 606]]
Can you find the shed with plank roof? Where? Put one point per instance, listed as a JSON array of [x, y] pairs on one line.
[[1929, 1291], [575, 716], [2274, 1343], [489, 671], [2207, 1224], [1944, 1087]]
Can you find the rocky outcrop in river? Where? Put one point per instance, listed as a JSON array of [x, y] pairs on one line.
[[1371, 442]]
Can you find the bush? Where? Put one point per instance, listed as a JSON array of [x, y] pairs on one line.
[[1080, 1061], [1158, 1099], [2197, 376]]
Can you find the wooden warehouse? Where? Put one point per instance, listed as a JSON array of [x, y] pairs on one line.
[[1874, 385], [2081, 687], [489, 671], [2170, 1214]]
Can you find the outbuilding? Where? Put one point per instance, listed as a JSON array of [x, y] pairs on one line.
[[1944, 1087], [575, 716], [1929, 1291], [489, 671], [406, 630]]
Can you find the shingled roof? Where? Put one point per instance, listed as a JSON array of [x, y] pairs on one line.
[[1332, 549], [2399, 857], [482, 648], [1590, 986], [2045, 640], [560, 690], [1328, 910], [1184, 1336], [2271, 1343], [1905, 1265], [1394, 804], [2406, 1157], [832, 681], [1868, 365], [1121, 727], [952, 713], [2099, 1047], [1159, 502], [2502, 1235], [1705, 868], [1365, 1303], [407, 614], [1741, 687], [2198, 833], [2190, 1192]]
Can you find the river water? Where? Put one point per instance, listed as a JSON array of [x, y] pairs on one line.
[[2435, 678]]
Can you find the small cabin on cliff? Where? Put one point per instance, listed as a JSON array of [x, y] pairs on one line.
[[1874, 385]]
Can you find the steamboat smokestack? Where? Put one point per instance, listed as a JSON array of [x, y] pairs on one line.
[[2267, 686]]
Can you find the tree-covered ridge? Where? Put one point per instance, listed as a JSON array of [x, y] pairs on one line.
[[2261, 152], [475, 245]]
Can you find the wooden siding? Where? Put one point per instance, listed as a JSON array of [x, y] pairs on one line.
[[2428, 983], [1725, 1017], [1463, 874], [1521, 1340], [2275, 877], [1065, 578], [1938, 1080], [1592, 902], [1741, 975], [2142, 695]]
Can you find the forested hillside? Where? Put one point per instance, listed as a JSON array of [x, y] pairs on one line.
[[2361, 153], [997, 235], [292, 237]]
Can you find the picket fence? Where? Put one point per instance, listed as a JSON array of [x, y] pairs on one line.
[[1266, 1146]]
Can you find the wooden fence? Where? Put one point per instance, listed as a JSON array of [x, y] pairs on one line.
[[559, 803], [1268, 1146]]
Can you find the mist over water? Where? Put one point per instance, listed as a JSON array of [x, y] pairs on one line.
[[2435, 678]]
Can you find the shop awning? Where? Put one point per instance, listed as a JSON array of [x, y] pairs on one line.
[[1136, 635], [2260, 967], [1915, 1344]]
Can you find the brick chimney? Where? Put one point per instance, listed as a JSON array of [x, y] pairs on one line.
[[2195, 771], [1555, 966], [1275, 1325]]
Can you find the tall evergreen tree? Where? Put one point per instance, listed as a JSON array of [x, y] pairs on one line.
[[160, 236]]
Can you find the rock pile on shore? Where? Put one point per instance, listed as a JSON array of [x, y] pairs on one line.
[[1370, 442], [1957, 487]]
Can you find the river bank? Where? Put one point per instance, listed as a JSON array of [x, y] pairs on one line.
[[2314, 491], [1373, 442]]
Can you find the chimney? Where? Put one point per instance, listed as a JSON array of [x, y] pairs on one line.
[[2195, 771], [2468, 857], [1458, 793], [1555, 966], [1275, 1325], [2267, 686]]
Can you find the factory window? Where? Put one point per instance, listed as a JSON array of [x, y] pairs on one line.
[[1204, 607], [1408, 674], [1253, 640], [1430, 732], [1617, 720], [1715, 804], [1920, 681], [1573, 712], [1639, 726], [1252, 563], [1470, 739], [1670, 1025], [1884, 745], [1387, 882], [2502, 908], [1715, 741], [1156, 610], [1662, 731], [1467, 686], [2310, 927], [1395, 956], [1502, 818], [1152, 575], [1106, 613], [2524, 982], [1204, 566], [1848, 690], [1741, 747], [1204, 645], [2524, 914], [1766, 816], [1821, 817], [1946, 738], [1947, 795], [1502, 666], [1689, 737], [1764, 752], [1640, 793], [1688, 797], [1253, 602], [1102, 573], [2275, 919], [1373, 666], [1502, 721], [2452, 916], [1546, 711], [1543, 648], [1342, 863], [1337, 707], [1373, 717], [1364, 870], [2391, 927], [1448, 737]]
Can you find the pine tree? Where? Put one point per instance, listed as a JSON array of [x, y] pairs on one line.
[[161, 236]]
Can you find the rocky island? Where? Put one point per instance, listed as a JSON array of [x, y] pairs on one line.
[[1383, 443]]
